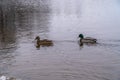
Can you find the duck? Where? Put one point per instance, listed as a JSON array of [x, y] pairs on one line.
[[87, 39], [44, 42]]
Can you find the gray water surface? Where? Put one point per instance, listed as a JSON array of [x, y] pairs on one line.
[[61, 21]]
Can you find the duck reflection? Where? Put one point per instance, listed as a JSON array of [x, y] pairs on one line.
[[81, 44]]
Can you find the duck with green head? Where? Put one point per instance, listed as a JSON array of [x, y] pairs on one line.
[[87, 39]]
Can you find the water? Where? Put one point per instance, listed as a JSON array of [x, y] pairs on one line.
[[62, 21]]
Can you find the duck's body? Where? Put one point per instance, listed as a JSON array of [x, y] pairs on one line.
[[44, 42], [87, 39]]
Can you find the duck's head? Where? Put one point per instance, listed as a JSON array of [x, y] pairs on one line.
[[81, 36], [37, 38]]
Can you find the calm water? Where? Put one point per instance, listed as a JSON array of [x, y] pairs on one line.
[[62, 21]]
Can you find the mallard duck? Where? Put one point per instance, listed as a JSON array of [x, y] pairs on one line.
[[43, 42], [87, 39]]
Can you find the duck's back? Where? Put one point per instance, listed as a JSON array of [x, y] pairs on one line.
[[46, 42]]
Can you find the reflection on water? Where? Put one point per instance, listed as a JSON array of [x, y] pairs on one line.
[[60, 21], [19, 24], [30, 24], [7, 29]]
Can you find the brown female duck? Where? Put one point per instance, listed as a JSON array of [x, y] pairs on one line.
[[44, 42]]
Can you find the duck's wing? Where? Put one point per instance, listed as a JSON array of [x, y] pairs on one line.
[[45, 42], [90, 38]]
